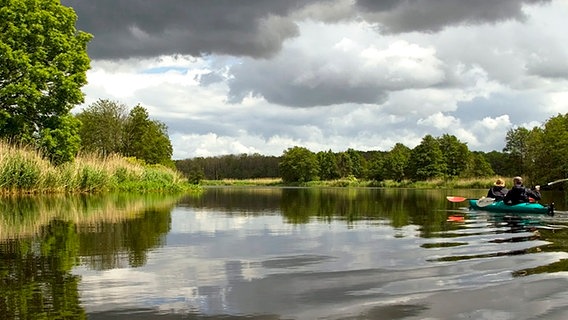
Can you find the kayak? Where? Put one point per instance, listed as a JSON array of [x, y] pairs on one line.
[[500, 206]]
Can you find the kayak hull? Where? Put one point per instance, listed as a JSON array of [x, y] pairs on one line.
[[500, 206]]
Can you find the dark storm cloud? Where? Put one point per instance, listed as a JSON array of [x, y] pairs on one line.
[[434, 15], [255, 28], [283, 89], [144, 28]]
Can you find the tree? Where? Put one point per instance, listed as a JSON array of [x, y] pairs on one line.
[[344, 164], [477, 166], [516, 148], [109, 128], [499, 163], [44, 64], [62, 143], [455, 153], [376, 166], [103, 126], [549, 149], [146, 139], [358, 163], [426, 160], [396, 162], [298, 164], [328, 169]]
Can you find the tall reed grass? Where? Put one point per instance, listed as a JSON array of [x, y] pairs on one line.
[[24, 170]]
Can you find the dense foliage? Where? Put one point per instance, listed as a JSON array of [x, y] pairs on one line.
[[109, 128], [445, 157], [242, 166], [44, 61], [299, 164], [546, 153]]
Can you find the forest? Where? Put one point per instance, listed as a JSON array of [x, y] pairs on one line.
[[539, 154]]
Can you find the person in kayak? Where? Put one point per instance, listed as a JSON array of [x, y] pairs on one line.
[[519, 193], [498, 190]]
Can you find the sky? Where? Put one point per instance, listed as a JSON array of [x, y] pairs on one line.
[[262, 76]]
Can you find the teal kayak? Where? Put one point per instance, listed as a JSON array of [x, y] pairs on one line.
[[500, 206]]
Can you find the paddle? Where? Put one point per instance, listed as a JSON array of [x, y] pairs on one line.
[[481, 202], [556, 181], [484, 201], [458, 199]]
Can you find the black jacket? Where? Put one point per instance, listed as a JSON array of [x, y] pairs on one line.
[[519, 194], [497, 192]]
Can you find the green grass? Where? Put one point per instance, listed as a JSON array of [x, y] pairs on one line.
[[243, 182], [25, 171], [457, 183]]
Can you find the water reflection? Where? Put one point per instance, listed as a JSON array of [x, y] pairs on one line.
[[43, 238], [271, 253]]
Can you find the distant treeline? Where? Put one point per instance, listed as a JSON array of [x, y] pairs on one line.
[[243, 166], [540, 155], [299, 164]]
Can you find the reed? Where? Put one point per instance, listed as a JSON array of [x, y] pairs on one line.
[[24, 170]]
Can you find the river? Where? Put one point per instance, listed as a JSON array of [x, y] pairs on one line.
[[280, 253]]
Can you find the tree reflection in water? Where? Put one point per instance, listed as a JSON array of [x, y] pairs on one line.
[[43, 238]]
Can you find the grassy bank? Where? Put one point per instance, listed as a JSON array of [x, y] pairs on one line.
[[478, 183], [243, 182], [23, 170]]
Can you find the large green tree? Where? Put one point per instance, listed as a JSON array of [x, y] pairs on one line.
[[499, 162], [299, 164], [477, 166], [146, 139], [328, 169], [358, 163], [516, 148], [44, 61], [103, 126], [548, 150], [108, 128], [455, 153], [426, 160], [60, 142], [396, 162]]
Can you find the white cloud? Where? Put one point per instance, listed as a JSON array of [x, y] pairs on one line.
[[342, 84], [440, 121]]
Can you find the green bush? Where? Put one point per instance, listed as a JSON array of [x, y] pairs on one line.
[[19, 173], [92, 179]]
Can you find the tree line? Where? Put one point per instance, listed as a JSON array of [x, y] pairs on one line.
[[109, 127], [539, 154]]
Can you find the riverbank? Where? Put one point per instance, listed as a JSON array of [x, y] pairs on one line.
[[25, 171], [470, 183]]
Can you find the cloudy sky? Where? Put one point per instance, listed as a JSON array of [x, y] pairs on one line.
[[260, 76]]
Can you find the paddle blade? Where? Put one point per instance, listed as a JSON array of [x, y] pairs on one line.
[[484, 202], [557, 181], [455, 199]]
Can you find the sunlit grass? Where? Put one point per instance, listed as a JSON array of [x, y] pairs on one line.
[[456, 183], [24, 170], [243, 182]]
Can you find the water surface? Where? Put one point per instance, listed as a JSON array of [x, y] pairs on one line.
[[274, 253]]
